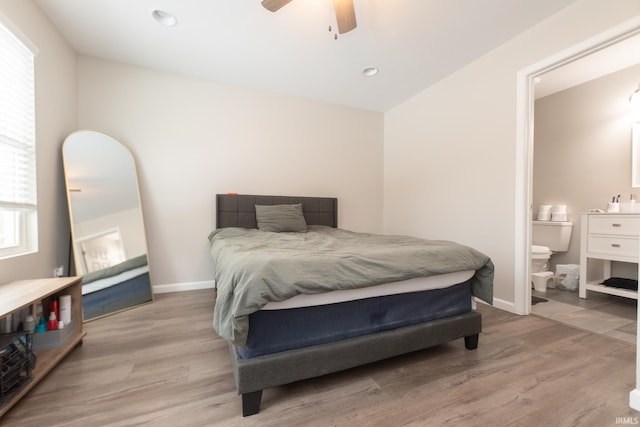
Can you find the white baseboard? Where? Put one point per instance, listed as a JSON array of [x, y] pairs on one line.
[[498, 303], [504, 305], [634, 399], [183, 287]]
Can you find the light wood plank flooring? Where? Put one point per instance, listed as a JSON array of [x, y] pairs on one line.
[[162, 365], [603, 314]]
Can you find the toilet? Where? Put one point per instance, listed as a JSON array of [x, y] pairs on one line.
[[548, 237]]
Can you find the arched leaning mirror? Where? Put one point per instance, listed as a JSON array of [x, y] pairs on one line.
[[107, 228]]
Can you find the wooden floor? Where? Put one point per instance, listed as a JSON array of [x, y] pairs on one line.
[[162, 365], [603, 314]]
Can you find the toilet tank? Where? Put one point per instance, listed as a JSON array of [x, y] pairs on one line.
[[555, 235]]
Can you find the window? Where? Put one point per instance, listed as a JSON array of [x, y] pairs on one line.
[[18, 199]]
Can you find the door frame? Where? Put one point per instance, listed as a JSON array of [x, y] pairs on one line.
[[525, 99]]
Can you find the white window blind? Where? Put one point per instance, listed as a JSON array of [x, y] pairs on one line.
[[18, 196]]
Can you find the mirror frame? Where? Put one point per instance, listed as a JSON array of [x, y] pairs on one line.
[[140, 277], [635, 155]]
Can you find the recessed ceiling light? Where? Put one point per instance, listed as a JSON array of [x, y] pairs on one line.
[[165, 18], [370, 71]]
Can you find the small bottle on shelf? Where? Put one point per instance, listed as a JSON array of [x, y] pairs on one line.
[[29, 324], [52, 325]]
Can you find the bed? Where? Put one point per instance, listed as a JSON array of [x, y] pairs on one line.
[[283, 328], [115, 288]]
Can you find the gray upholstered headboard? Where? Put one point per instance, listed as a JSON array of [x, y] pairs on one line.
[[238, 210]]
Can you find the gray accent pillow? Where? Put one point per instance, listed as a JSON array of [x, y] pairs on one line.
[[280, 218]]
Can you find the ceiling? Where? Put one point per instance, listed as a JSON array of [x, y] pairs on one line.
[[618, 56], [413, 43]]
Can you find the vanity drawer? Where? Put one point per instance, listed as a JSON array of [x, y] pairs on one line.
[[611, 245], [615, 225]]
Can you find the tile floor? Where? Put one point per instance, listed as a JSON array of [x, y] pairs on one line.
[[600, 313]]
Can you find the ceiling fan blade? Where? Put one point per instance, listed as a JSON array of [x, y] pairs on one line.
[[345, 15], [273, 5]]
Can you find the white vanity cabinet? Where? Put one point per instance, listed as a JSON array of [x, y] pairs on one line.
[[608, 237]]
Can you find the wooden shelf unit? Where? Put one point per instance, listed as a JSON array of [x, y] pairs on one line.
[[608, 237], [15, 296]]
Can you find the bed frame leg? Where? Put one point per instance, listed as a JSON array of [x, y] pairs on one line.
[[471, 342], [251, 402]]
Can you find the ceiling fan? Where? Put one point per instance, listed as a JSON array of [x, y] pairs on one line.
[[345, 12]]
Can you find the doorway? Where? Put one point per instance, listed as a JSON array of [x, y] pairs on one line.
[[524, 148], [582, 148]]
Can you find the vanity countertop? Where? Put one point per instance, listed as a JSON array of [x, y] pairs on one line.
[[612, 213]]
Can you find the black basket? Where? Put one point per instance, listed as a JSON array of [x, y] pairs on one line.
[[16, 363]]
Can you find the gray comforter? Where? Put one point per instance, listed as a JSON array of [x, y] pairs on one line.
[[255, 267], [114, 270]]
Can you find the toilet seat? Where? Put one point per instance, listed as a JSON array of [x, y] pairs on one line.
[[540, 252]]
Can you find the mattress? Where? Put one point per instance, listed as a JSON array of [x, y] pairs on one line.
[[276, 330], [253, 268], [404, 286], [107, 282], [125, 294]]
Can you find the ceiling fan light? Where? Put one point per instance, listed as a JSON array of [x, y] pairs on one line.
[[370, 71], [164, 18]]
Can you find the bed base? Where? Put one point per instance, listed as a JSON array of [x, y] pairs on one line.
[[253, 375]]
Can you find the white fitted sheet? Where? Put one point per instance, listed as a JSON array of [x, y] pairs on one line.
[[412, 285]]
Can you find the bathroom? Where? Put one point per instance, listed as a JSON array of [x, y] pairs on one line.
[[582, 159]]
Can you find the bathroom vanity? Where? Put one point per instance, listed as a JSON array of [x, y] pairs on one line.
[[608, 237]]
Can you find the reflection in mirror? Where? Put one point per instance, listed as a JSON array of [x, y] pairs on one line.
[[635, 155], [107, 228]]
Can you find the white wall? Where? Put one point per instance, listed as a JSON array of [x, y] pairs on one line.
[[56, 115], [450, 151], [194, 138], [128, 222]]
